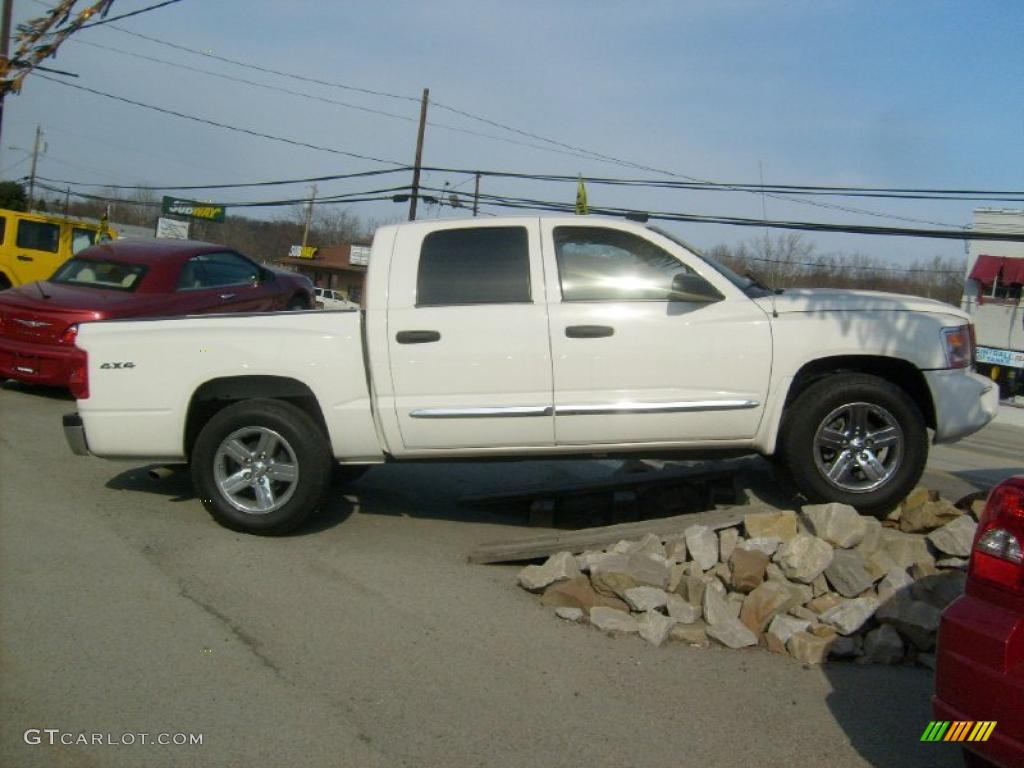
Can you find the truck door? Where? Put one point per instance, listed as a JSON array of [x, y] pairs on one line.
[[467, 336], [640, 357], [37, 251]]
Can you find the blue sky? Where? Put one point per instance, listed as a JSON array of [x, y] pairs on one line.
[[916, 94]]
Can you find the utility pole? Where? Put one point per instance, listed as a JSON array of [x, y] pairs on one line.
[[419, 156], [35, 159], [309, 215], [5, 47], [476, 195]]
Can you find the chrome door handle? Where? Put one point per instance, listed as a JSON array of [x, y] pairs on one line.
[[227, 295], [23, 257]]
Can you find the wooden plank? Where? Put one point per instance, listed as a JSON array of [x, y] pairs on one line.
[[542, 545], [630, 481]]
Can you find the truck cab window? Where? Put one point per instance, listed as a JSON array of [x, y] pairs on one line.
[[600, 264], [38, 236], [81, 239], [477, 265]]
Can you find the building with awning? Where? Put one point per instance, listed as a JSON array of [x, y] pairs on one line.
[[341, 267], [993, 292]]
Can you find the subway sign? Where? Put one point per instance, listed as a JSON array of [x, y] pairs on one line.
[[193, 209]]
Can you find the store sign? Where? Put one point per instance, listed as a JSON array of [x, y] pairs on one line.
[[193, 209], [359, 254], [173, 229], [993, 356], [302, 251]]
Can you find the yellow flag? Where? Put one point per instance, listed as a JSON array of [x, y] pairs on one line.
[[581, 198]]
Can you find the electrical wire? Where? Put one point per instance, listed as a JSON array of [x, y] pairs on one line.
[[279, 182], [128, 15]]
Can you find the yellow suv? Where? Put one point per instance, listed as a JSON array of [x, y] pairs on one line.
[[33, 245]]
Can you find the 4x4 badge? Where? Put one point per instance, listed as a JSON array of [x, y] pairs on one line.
[[117, 365]]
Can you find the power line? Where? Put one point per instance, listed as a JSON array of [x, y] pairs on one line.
[[205, 121], [279, 182], [128, 15]]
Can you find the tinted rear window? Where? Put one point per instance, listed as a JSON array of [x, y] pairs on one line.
[[479, 265]]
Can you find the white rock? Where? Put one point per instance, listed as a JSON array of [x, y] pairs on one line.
[[651, 544], [952, 562], [896, 581], [838, 524], [645, 598], [732, 634], [681, 610], [612, 620], [569, 614], [727, 540], [846, 573], [702, 545], [955, 538], [882, 646], [654, 627], [716, 608], [560, 567], [784, 626], [767, 544], [915, 620], [804, 557], [587, 559], [850, 615], [623, 547], [675, 549]]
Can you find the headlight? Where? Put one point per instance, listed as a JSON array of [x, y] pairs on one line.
[[959, 345]]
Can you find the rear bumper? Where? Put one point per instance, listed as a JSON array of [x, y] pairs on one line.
[[74, 433], [46, 364], [964, 403], [971, 681]]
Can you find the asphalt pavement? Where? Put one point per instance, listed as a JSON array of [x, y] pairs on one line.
[[367, 640]]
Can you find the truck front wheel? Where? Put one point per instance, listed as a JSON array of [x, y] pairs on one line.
[[261, 466], [856, 439]]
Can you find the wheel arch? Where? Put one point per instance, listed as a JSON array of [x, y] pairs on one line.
[[214, 395], [902, 373]]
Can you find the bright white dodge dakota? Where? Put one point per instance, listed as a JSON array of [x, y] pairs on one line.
[[533, 337]]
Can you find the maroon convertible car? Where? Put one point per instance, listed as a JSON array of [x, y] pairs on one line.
[[126, 278]]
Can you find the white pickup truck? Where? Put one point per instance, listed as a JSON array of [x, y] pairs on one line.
[[533, 337]]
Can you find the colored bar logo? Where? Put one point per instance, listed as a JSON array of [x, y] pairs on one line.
[[958, 730]]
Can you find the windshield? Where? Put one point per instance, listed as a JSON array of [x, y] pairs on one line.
[[95, 273], [748, 285]]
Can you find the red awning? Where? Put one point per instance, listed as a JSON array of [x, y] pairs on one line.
[[1009, 269]]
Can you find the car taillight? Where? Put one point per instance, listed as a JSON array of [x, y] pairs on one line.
[[69, 335], [78, 378], [959, 345], [998, 557]]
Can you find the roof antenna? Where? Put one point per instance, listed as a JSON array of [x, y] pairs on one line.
[[764, 216]]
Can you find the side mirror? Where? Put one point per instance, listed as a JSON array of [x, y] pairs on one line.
[[266, 275], [687, 286]]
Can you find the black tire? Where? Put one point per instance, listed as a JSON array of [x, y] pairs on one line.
[[871, 478], [295, 304], [4, 282], [299, 448]]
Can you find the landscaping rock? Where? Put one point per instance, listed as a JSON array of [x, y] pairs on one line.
[[735, 601], [955, 538], [923, 570], [651, 545], [612, 620], [676, 574], [727, 540], [882, 646], [850, 615], [846, 647], [781, 629], [838, 524], [675, 549], [928, 516], [723, 573], [578, 593], [682, 611], [846, 573], [915, 620], [560, 567], [654, 627], [702, 544], [691, 634], [872, 537], [808, 648], [748, 569], [570, 614], [804, 557], [716, 608], [585, 560], [616, 573], [897, 581], [769, 545], [819, 586], [761, 605], [939, 589], [952, 562], [826, 602], [645, 598], [778, 525], [802, 612], [732, 634], [905, 549], [879, 563]]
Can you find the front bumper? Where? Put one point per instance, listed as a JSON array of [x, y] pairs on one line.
[[964, 403], [74, 433], [46, 364]]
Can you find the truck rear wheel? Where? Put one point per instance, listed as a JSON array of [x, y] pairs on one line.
[[261, 466], [856, 439]]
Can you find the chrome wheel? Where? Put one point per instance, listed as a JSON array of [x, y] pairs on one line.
[[256, 470], [858, 447]]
